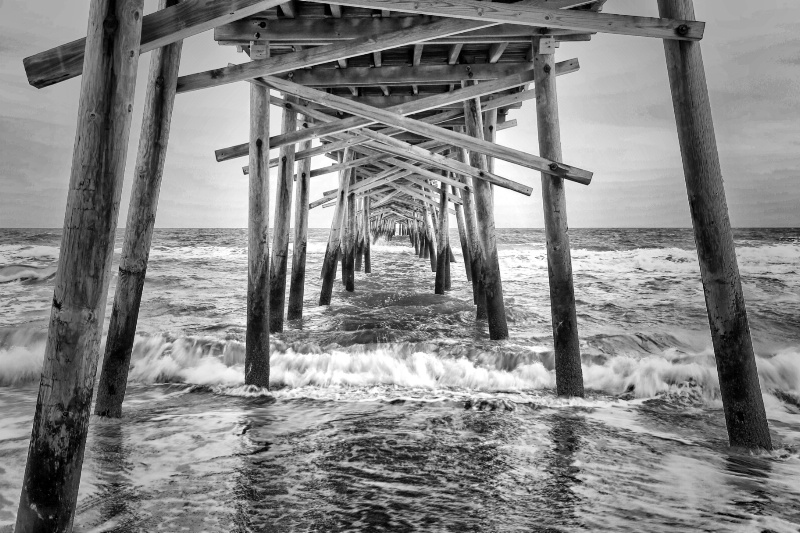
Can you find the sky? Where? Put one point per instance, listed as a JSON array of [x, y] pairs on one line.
[[616, 121]]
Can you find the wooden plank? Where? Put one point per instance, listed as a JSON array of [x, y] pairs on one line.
[[289, 9], [161, 28], [453, 53], [517, 13], [324, 54], [471, 143], [404, 75]]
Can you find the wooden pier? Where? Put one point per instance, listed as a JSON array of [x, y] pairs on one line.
[[406, 98]]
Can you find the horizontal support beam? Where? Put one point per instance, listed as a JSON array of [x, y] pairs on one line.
[[325, 54], [517, 13], [161, 28], [419, 75], [311, 32]]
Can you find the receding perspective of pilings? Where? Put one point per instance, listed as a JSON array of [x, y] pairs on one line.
[[408, 141], [569, 376], [61, 420], [745, 416], [159, 101]]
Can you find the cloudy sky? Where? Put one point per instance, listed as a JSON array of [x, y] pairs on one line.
[[616, 117]]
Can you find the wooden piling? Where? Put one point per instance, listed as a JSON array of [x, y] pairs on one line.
[[61, 420], [283, 214], [256, 362], [430, 237], [569, 376], [484, 216], [349, 245], [443, 258], [367, 245], [462, 235], [471, 227], [334, 237], [159, 100], [743, 404], [298, 278]]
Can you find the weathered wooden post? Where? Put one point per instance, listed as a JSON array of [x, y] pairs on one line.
[[471, 225], [283, 214], [61, 420], [367, 248], [359, 236], [334, 237], [256, 362], [484, 216], [159, 100], [730, 331], [443, 258], [349, 244], [298, 279], [462, 234], [430, 237], [569, 376]]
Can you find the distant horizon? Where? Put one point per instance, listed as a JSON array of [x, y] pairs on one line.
[[451, 227]]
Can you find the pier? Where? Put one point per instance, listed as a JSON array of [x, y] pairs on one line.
[[405, 98]]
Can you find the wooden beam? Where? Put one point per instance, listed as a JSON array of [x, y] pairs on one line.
[[416, 56], [517, 13], [161, 28], [289, 9], [404, 75], [336, 11], [413, 106], [471, 143], [496, 51], [324, 54], [318, 32], [453, 53]]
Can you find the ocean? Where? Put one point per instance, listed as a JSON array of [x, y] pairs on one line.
[[391, 410]]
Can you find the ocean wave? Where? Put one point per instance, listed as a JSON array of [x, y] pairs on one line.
[[10, 273], [402, 367]]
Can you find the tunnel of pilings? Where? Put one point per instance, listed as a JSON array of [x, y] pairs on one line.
[[406, 98]]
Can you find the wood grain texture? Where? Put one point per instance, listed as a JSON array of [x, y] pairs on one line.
[[166, 26], [529, 15], [334, 237], [569, 377], [727, 316], [256, 364], [294, 309], [150, 159], [484, 218], [324, 54], [61, 420]]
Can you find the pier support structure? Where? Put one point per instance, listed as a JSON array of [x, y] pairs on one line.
[[256, 364], [334, 237], [150, 158], [743, 404], [569, 376], [280, 229], [302, 195], [489, 274], [61, 420]]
